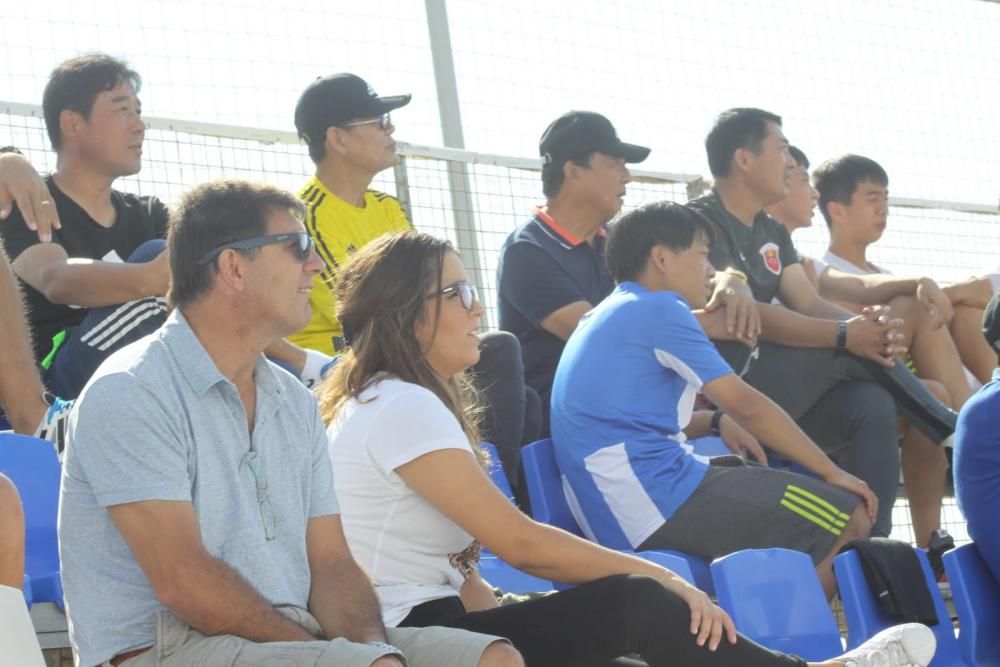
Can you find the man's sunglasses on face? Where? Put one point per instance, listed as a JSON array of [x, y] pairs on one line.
[[384, 121], [302, 248]]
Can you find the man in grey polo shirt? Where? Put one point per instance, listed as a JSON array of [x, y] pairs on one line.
[[198, 523]]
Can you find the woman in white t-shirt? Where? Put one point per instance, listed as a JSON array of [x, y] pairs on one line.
[[416, 504]]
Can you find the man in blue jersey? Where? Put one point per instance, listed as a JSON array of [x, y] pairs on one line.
[[622, 407], [977, 453]]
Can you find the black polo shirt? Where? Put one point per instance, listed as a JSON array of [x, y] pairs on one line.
[[762, 250], [544, 267]]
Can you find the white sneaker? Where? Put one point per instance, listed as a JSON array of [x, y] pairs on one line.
[[906, 645]]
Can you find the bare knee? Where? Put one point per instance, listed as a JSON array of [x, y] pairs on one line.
[[859, 526], [911, 312], [11, 512], [501, 654], [904, 306], [11, 535]]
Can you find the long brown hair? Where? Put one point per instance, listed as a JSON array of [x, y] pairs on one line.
[[381, 293]]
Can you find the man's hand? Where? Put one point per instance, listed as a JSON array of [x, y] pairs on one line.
[[742, 318], [845, 480], [157, 272], [873, 335], [740, 441], [935, 302], [714, 324], [20, 184]]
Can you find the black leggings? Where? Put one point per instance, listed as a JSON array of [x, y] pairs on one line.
[[597, 622]]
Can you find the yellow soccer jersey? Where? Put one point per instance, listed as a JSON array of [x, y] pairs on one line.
[[340, 229]]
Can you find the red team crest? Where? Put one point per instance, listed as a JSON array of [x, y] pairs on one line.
[[769, 251]]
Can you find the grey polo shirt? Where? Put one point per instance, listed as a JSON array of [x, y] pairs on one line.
[[158, 421]]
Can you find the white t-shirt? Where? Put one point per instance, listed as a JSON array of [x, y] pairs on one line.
[[994, 276], [841, 264], [408, 547]]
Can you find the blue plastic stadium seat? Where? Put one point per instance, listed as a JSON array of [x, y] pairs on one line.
[[548, 505], [779, 462], [26, 591], [508, 578], [496, 470], [775, 598], [710, 446], [34, 468], [493, 569], [976, 594], [865, 618]]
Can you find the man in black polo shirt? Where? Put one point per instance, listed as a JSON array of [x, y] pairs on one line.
[[814, 354], [552, 268]]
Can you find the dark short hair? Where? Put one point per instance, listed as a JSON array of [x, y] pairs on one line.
[[799, 157], [553, 174], [213, 214], [76, 83], [634, 235], [734, 129], [837, 179]]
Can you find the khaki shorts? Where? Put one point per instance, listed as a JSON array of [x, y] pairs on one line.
[[180, 645]]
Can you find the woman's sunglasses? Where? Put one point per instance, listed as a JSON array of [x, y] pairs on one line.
[[467, 293]]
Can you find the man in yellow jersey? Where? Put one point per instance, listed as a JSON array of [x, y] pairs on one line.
[[349, 133]]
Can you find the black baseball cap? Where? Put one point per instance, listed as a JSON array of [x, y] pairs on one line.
[[578, 133], [336, 99], [991, 322]]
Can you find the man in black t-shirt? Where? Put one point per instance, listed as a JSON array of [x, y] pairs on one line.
[[93, 119], [813, 354], [84, 300]]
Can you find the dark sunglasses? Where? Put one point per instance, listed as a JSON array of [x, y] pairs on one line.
[[467, 293], [384, 121], [302, 249]]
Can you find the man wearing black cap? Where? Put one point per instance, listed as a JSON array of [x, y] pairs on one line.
[[349, 133], [552, 268], [977, 453]]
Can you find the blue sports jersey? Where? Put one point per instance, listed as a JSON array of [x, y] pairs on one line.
[[623, 392], [976, 467]]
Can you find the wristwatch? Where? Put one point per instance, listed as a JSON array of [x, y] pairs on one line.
[[388, 648], [841, 334], [713, 426]]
